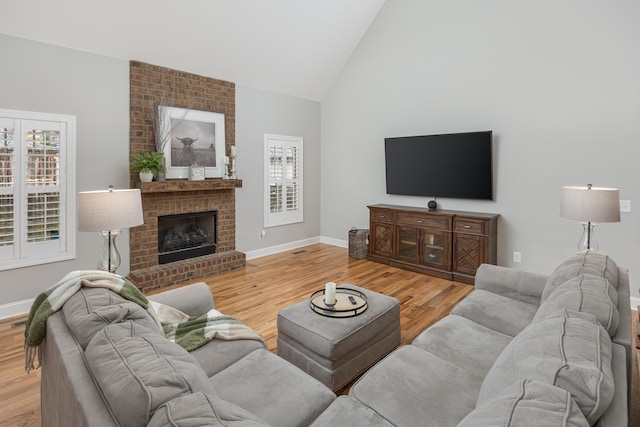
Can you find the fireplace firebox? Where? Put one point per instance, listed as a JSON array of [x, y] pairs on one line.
[[185, 236]]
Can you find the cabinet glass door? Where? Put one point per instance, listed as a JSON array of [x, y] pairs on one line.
[[434, 249], [408, 243]]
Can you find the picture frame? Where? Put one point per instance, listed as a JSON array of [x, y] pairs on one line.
[[194, 137]]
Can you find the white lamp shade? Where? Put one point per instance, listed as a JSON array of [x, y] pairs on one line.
[[590, 204], [109, 210]]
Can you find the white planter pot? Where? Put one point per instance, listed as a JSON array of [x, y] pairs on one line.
[[146, 176]]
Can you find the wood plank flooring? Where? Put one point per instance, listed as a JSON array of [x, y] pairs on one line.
[[254, 295]]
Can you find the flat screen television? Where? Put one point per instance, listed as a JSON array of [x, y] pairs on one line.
[[455, 165]]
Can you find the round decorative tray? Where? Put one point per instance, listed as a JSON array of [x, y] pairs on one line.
[[344, 307]]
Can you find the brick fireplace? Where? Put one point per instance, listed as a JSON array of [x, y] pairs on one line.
[[150, 84], [184, 197]]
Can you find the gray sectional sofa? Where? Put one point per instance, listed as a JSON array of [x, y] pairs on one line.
[[104, 363], [521, 349]]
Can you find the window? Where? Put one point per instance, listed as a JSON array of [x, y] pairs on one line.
[[283, 180], [37, 194]]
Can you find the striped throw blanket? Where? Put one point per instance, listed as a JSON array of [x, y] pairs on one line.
[[188, 332]]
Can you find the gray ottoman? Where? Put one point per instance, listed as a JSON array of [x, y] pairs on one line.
[[337, 350]]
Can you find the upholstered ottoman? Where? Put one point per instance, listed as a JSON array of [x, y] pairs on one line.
[[337, 350]]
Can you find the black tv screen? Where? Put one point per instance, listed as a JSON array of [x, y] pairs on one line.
[[456, 165]]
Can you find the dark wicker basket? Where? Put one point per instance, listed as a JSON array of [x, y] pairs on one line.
[[358, 243]]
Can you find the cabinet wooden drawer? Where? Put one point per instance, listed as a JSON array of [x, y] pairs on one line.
[[468, 225], [382, 215], [435, 222]]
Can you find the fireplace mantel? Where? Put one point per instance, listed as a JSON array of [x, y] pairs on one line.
[[185, 185]]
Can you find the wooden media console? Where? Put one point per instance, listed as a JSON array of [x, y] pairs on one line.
[[446, 244]]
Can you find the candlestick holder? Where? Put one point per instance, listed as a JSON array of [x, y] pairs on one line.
[[226, 168], [233, 166]]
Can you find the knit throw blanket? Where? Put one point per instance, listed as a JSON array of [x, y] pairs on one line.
[[188, 332], [191, 333]]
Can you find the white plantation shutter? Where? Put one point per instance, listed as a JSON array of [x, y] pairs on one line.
[[283, 180], [7, 187], [37, 189]]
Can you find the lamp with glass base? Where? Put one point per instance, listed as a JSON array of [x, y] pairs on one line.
[[107, 212], [590, 205]]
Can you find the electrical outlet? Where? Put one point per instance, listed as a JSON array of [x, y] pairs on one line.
[[263, 234], [625, 205], [517, 257]]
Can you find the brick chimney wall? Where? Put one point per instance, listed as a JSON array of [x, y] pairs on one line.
[[150, 84]]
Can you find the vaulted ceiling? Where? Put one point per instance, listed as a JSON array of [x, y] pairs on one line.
[[294, 47]]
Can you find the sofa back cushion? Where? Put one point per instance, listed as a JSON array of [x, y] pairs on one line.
[[89, 310], [569, 350], [138, 370], [202, 409], [588, 262], [524, 401], [585, 293]]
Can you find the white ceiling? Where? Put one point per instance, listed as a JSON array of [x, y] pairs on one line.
[[294, 47]]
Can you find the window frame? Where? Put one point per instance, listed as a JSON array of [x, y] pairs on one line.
[[22, 253], [286, 216]]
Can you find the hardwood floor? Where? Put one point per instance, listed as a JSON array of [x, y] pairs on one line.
[[254, 295]]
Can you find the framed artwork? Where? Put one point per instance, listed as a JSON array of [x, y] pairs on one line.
[[193, 137]]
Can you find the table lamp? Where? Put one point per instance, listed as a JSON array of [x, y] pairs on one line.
[[109, 211], [590, 205]]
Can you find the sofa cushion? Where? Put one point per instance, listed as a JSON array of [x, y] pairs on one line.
[[412, 387], [89, 310], [138, 370], [585, 293], [502, 314], [266, 384], [464, 343], [347, 411], [202, 409], [217, 355], [588, 262], [524, 401], [567, 349]]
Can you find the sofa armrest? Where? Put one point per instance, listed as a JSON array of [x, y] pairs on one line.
[[624, 334], [194, 300], [617, 414], [519, 285]]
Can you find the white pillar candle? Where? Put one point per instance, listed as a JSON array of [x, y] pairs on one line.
[[330, 293], [233, 151], [226, 160]]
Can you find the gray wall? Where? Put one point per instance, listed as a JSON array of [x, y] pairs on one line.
[[558, 84], [258, 113], [95, 89]]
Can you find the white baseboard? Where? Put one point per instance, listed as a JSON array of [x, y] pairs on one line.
[[635, 302], [258, 253], [334, 242], [15, 308]]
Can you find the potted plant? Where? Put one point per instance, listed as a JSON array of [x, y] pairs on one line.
[[148, 164]]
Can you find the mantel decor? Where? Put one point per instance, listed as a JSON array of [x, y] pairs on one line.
[[195, 137]]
